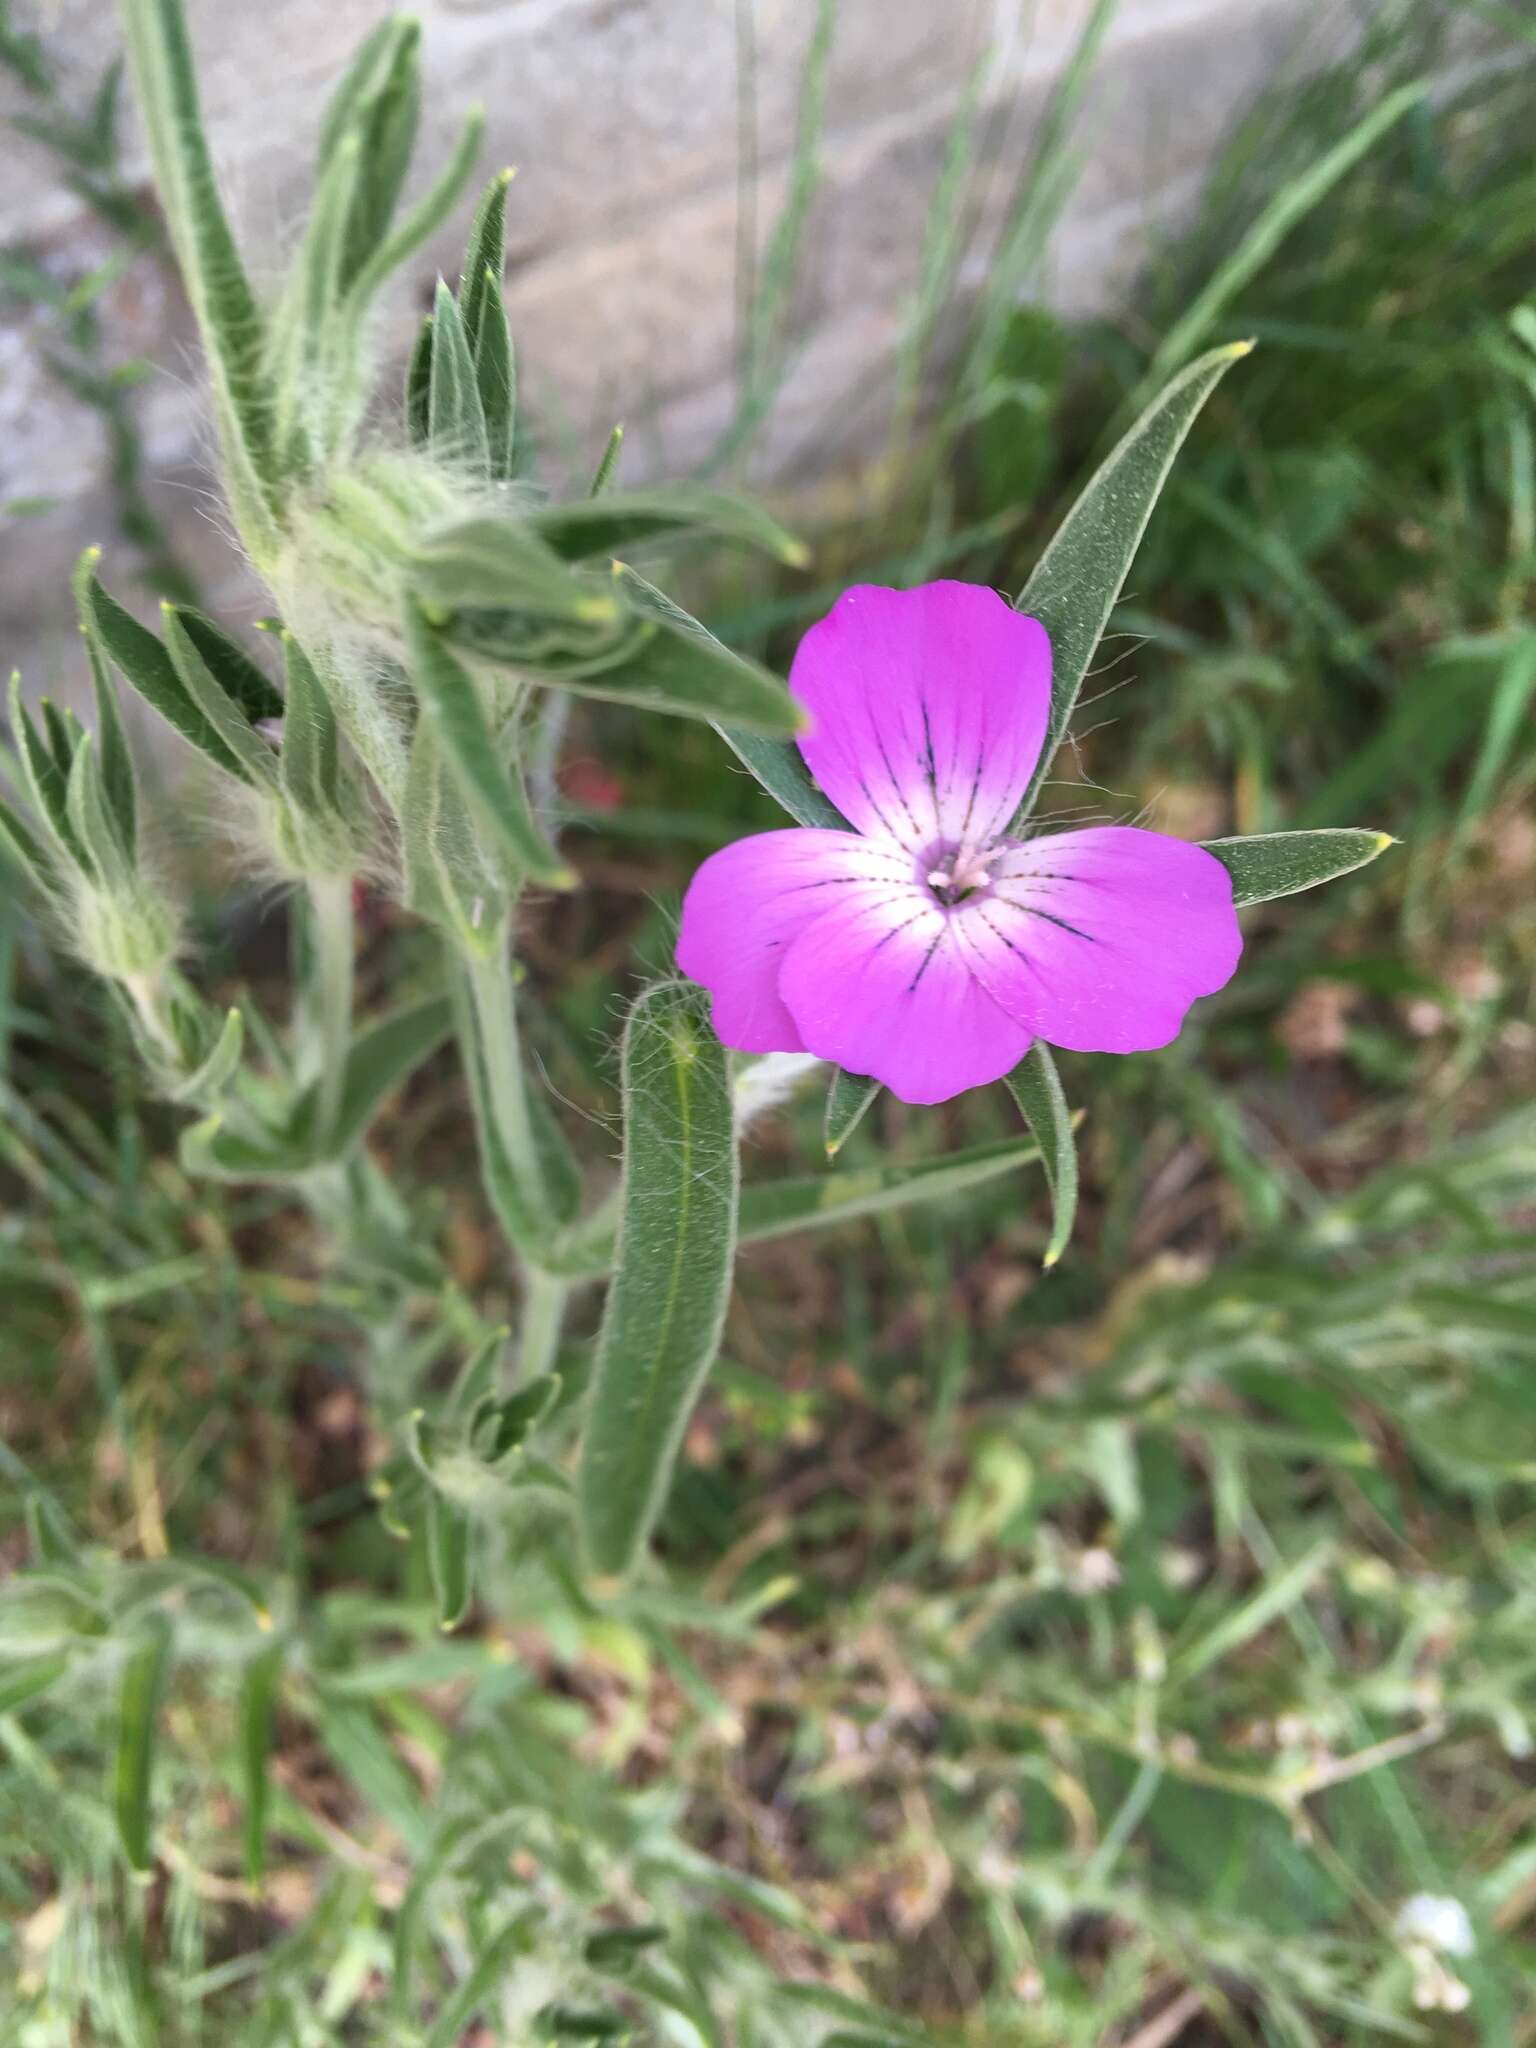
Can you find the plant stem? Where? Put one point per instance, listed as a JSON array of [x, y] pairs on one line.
[[538, 1338], [331, 970], [148, 995], [501, 1100]]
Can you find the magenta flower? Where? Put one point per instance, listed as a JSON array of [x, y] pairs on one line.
[[930, 945]]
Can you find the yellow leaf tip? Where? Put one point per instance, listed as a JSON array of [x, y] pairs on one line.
[[1384, 840], [1238, 349]]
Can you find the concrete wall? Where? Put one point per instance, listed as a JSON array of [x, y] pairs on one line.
[[622, 116]]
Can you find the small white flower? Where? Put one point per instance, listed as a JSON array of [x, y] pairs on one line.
[[1440, 1923]]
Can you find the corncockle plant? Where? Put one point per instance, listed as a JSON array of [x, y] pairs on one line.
[[434, 613]]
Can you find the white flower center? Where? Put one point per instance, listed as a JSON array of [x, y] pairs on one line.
[[961, 874]]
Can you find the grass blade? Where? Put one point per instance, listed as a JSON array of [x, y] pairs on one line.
[[137, 1729], [778, 1208], [258, 1702]]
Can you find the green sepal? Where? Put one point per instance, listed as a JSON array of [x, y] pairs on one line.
[[1269, 864], [1036, 1087], [849, 1098]]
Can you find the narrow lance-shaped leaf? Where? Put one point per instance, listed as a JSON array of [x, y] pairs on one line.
[[486, 327], [448, 1557], [239, 676], [424, 219], [258, 1702], [226, 307], [455, 415], [116, 761], [380, 1060], [138, 1717], [418, 386], [608, 467], [779, 1208], [144, 663], [1036, 1087], [258, 762], [47, 784], [849, 1099], [776, 764], [450, 698], [1273, 864], [1079, 577], [662, 1321], [602, 525], [384, 115], [91, 816], [496, 379], [484, 256], [310, 760], [26, 849]]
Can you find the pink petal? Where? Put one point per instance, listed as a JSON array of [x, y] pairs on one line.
[[878, 984], [748, 901], [1100, 940], [930, 710]]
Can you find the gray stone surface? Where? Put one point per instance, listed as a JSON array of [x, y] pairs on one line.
[[624, 118]]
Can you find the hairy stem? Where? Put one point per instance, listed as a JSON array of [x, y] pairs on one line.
[[329, 1016], [490, 981], [545, 1297]]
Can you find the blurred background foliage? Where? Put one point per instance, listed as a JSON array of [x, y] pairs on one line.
[[1102, 1657]]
